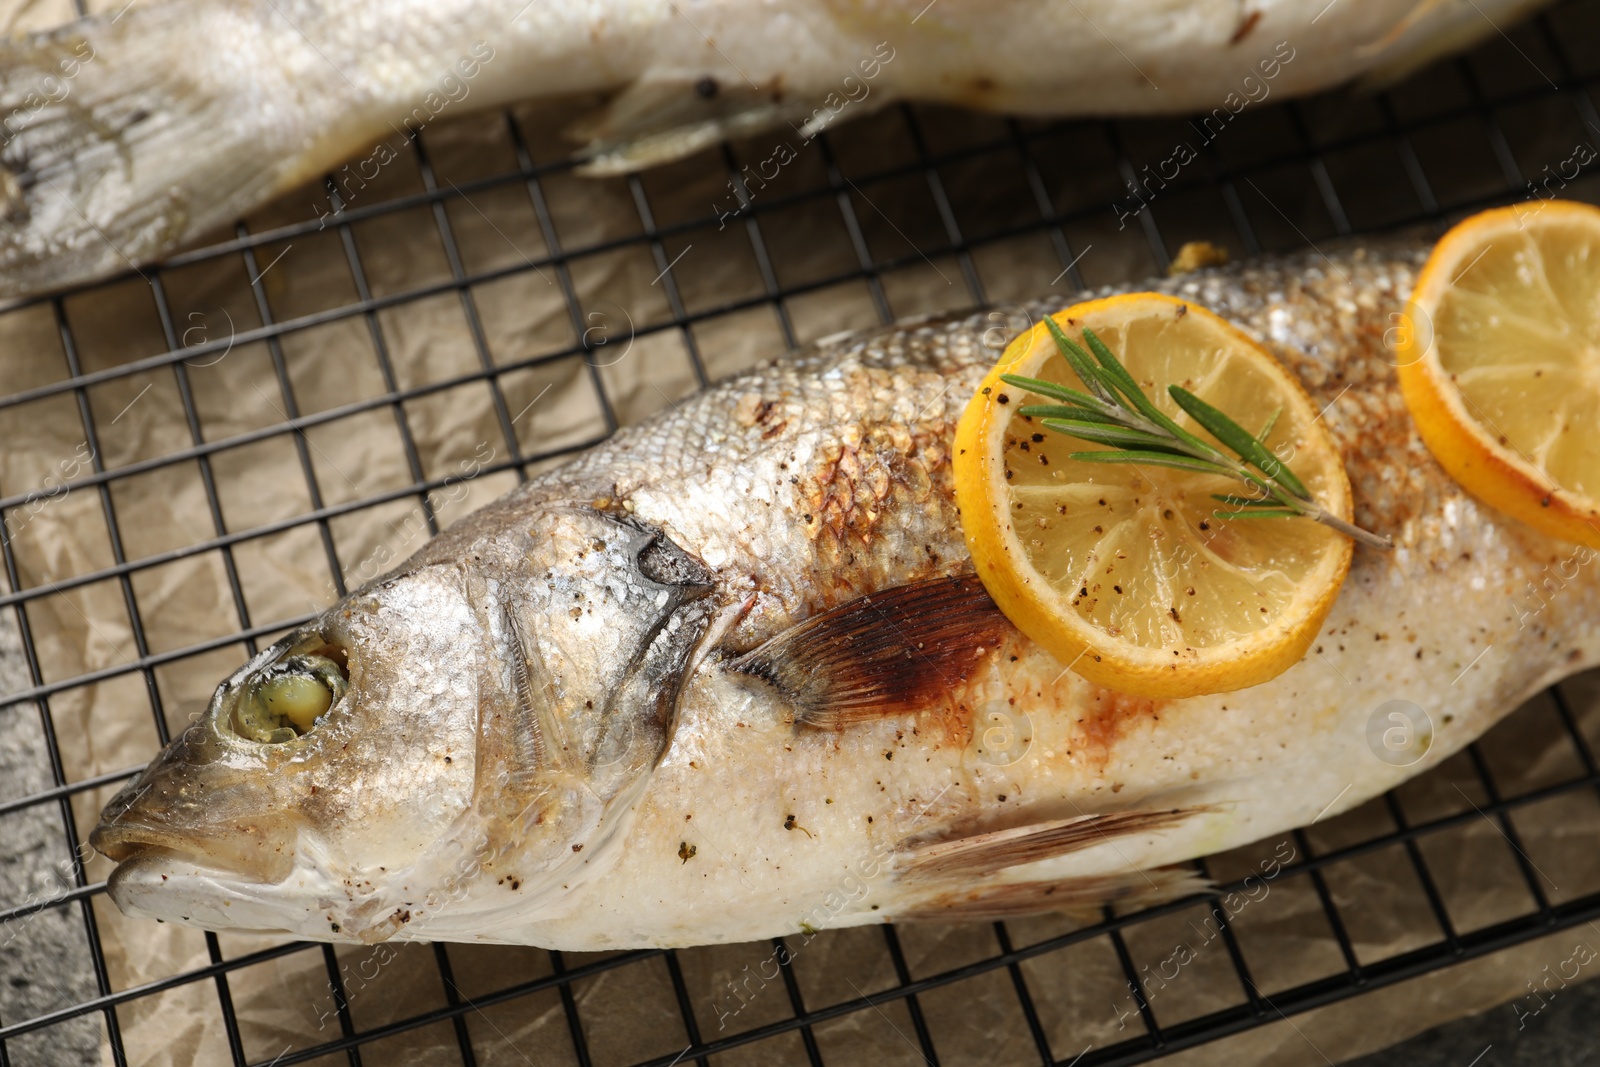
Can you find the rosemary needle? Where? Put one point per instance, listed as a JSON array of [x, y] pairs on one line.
[[1116, 413]]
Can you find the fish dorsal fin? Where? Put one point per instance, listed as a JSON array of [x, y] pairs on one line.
[[979, 855], [1084, 895], [885, 653]]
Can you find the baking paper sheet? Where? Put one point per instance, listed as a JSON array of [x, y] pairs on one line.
[[631, 1012]]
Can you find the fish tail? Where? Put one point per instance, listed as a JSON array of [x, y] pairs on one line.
[[112, 147]]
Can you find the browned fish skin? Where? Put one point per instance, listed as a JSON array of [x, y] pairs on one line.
[[592, 681], [812, 480]]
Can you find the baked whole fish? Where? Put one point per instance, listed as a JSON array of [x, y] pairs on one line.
[[727, 676], [124, 135]]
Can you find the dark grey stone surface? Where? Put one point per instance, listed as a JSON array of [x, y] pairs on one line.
[[1564, 1033], [44, 957]]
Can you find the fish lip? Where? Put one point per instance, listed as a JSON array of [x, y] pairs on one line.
[[128, 844], [121, 843]]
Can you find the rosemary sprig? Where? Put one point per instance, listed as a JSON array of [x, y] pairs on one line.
[[1115, 412]]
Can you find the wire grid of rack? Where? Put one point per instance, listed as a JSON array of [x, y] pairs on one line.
[[1320, 175]]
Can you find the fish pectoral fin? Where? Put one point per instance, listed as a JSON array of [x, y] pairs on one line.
[[886, 653], [978, 855], [1087, 895], [663, 117]]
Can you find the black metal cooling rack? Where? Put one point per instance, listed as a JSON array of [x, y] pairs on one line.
[[1338, 166]]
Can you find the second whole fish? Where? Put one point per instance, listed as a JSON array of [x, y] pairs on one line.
[[127, 134], [727, 676]]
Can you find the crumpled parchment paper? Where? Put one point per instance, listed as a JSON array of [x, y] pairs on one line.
[[631, 1012]]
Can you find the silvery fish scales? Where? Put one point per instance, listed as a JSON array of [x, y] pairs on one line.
[[727, 676]]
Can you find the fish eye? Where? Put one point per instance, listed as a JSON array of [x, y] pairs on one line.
[[285, 700]]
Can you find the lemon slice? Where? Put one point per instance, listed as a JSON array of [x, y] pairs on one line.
[[1123, 571], [1500, 362]]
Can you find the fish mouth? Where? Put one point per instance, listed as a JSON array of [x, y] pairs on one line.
[[209, 879], [262, 856]]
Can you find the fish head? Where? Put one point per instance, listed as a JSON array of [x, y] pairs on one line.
[[440, 747], [302, 771]]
